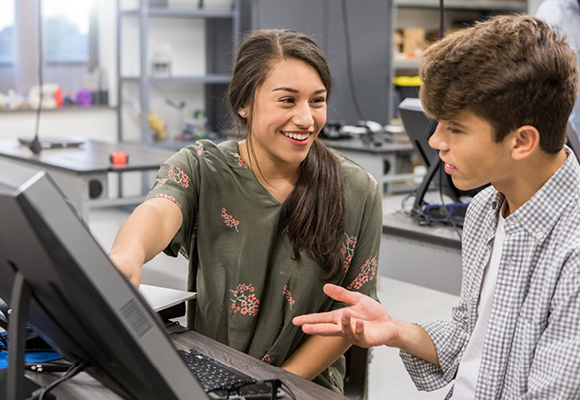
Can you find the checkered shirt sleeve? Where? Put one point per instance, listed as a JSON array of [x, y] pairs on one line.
[[532, 344]]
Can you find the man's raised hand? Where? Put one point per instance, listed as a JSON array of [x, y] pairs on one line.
[[365, 322]]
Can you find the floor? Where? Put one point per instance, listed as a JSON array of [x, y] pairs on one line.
[[387, 376]]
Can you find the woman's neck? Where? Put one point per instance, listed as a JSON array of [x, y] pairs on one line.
[[276, 177]]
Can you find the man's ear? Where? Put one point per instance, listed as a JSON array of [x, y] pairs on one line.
[[526, 140]]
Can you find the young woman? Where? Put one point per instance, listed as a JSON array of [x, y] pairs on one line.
[[267, 221]]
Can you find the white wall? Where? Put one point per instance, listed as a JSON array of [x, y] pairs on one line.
[[97, 124]]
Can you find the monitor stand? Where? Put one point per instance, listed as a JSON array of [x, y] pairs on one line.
[[17, 388], [422, 189]]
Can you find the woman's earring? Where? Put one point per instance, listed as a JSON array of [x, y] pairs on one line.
[[243, 113]]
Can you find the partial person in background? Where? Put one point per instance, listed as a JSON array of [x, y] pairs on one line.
[[267, 221], [564, 16], [502, 91]]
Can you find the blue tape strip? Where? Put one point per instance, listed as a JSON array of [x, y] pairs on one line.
[[32, 357]]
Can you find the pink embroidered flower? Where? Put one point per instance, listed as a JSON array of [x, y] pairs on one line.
[[246, 305], [159, 182], [348, 251], [178, 176], [229, 220], [373, 179], [166, 196], [238, 158], [200, 152], [288, 296], [367, 273], [268, 359]]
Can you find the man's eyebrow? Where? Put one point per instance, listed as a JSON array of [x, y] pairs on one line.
[[287, 89], [456, 124]]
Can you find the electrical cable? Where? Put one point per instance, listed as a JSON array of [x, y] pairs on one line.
[[441, 19], [349, 63], [35, 145], [442, 171], [74, 370], [443, 203]]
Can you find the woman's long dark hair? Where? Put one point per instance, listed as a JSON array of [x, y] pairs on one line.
[[314, 213]]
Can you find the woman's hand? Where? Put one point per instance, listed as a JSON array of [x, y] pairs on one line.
[[146, 232]]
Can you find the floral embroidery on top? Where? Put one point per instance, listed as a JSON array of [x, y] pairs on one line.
[[267, 359], [244, 302], [238, 158], [229, 220], [183, 252], [178, 176], [367, 273], [373, 179], [200, 151], [288, 296], [166, 196], [158, 183], [347, 251]]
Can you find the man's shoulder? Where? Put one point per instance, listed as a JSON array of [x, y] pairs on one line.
[[483, 201]]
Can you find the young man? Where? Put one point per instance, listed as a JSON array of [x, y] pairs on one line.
[[502, 92]]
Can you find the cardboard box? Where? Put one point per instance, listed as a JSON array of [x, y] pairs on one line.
[[414, 40]]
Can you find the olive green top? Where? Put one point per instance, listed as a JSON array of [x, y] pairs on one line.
[[249, 287]]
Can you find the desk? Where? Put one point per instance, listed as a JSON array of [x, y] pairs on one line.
[[428, 256], [83, 386], [388, 163], [82, 173]]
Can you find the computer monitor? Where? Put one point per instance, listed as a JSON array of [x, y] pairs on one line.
[[79, 302], [419, 128]]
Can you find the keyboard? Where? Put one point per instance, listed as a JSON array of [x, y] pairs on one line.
[[218, 379]]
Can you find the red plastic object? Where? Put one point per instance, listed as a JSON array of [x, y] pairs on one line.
[[119, 158], [58, 97]]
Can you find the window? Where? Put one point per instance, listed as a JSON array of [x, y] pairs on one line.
[[65, 29], [7, 31], [69, 43]]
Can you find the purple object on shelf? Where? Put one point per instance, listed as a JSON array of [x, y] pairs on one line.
[[84, 98]]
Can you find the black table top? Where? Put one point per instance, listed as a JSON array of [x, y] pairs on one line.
[[356, 144], [401, 225], [91, 157], [84, 387]]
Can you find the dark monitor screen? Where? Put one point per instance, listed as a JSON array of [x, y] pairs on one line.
[[80, 303]]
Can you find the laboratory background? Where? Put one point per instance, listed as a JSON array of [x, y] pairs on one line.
[[111, 89]]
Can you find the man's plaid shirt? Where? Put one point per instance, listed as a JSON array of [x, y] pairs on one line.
[[532, 344]]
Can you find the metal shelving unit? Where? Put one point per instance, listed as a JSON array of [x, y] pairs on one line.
[[485, 7], [477, 5], [222, 37]]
